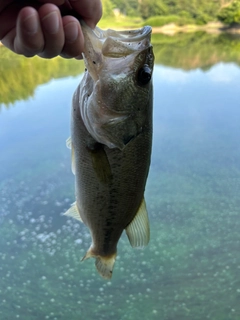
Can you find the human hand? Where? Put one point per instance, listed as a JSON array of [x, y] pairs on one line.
[[46, 27]]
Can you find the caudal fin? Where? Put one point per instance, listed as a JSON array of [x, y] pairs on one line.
[[104, 264]]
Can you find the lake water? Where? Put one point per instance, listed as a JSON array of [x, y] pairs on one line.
[[191, 268]]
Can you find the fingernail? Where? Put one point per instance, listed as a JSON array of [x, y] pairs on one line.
[[71, 31], [30, 24], [51, 22]]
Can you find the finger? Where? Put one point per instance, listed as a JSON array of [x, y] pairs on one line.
[[56, 2], [74, 40], [4, 4], [8, 19], [29, 37], [89, 10], [51, 23]]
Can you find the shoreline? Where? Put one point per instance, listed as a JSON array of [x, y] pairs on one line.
[[171, 29], [212, 28]]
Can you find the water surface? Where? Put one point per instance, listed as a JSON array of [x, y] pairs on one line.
[[190, 270]]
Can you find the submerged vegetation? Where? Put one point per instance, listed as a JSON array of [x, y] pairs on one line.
[[189, 271]]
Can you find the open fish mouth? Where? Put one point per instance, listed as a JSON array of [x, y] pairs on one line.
[[125, 35], [111, 43]]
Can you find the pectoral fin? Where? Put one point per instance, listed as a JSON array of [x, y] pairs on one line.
[[69, 143], [138, 230], [70, 146], [73, 212], [100, 163]]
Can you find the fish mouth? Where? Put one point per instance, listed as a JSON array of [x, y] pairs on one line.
[[115, 44], [124, 35]]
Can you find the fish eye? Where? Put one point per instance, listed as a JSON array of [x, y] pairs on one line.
[[144, 74]]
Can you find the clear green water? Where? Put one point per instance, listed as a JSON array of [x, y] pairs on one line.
[[191, 268]]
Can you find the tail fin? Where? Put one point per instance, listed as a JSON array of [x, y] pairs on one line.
[[104, 264]]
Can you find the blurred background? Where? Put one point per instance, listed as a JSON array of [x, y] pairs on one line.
[[174, 12], [190, 270]]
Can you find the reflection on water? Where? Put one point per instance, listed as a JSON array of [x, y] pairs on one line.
[[190, 270], [20, 76], [185, 51]]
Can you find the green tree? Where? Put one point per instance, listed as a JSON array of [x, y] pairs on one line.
[[127, 7], [149, 8], [202, 11], [107, 8], [196, 8], [231, 13]]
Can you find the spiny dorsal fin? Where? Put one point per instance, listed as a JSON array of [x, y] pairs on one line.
[[70, 146], [138, 230], [73, 212]]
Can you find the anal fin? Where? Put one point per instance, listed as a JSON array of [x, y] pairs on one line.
[[69, 143], [138, 231], [73, 212]]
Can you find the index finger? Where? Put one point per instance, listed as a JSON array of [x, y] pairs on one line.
[[89, 10], [4, 4], [56, 2]]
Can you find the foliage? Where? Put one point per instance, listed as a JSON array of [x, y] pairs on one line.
[[148, 8], [127, 7], [120, 22], [231, 13], [163, 20], [108, 8], [201, 11]]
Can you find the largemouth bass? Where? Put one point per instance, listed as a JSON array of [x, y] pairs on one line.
[[111, 138]]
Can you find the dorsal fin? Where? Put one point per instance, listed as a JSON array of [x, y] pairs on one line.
[[138, 230]]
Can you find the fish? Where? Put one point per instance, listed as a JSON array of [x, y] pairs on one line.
[[111, 140]]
